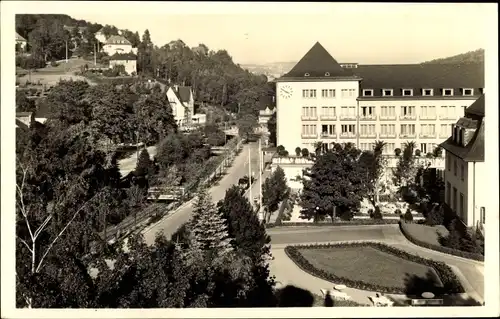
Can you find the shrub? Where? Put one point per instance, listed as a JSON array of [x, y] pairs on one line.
[[298, 151], [408, 215], [377, 214], [397, 211], [54, 64], [397, 151], [305, 152], [418, 153], [429, 155], [442, 249], [370, 212], [435, 216], [354, 222], [451, 284]]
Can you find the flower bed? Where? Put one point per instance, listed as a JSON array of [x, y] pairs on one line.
[[417, 240], [356, 222], [450, 283]]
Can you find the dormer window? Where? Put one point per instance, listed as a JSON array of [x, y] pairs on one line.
[[467, 92], [306, 74], [327, 73], [407, 92], [427, 92], [367, 92], [387, 92], [447, 92]]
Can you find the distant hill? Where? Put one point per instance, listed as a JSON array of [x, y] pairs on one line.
[[476, 56], [275, 69]]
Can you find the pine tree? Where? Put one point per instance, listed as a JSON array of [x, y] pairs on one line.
[[208, 227]]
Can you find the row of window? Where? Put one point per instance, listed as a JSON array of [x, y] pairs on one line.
[[408, 112], [386, 130], [425, 92], [389, 148], [328, 93], [454, 202], [455, 167]]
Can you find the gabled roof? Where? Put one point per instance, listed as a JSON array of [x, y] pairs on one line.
[[117, 39], [19, 37], [317, 62], [421, 76], [265, 101], [123, 56], [473, 152], [183, 93], [477, 108]]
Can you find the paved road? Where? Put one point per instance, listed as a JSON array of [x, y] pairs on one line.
[[281, 237], [172, 222]]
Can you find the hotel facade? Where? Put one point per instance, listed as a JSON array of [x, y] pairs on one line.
[[320, 100]]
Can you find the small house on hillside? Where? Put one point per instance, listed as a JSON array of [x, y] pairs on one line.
[[118, 44], [20, 43], [99, 35], [24, 119], [267, 107], [128, 60], [182, 102]]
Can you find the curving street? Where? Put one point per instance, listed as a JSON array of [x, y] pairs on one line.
[[470, 272]]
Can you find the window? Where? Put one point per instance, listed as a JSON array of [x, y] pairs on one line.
[[309, 112], [454, 199], [448, 193], [427, 129], [408, 111], [482, 214], [367, 92], [328, 130], [309, 93], [327, 73], [348, 112], [455, 166], [389, 148], [367, 111], [407, 129], [367, 129], [447, 92], [461, 212], [348, 93], [328, 93], [387, 129], [309, 130], [467, 92], [306, 74], [427, 92], [463, 110], [328, 111], [348, 129], [387, 92], [423, 148], [462, 172], [407, 92], [444, 132], [388, 111], [427, 112]]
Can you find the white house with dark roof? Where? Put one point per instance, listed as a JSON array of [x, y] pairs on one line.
[[100, 36], [128, 60], [20, 43], [118, 44], [267, 107], [466, 174], [181, 101], [322, 100]]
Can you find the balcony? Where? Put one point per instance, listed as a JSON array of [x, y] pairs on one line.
[[447, 117], [420, 160], [368, 135], [371, 117], [348, 117], [328, 117], [387, 117], [427, 135], [387, 135], [309, 136], [309, 118], [408, 135], [427, 117], [347, 135], [407, 117], [328, 135]]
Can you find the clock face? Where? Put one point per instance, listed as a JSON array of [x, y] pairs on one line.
[[286, 91]]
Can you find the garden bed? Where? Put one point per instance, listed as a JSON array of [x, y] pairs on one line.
[[428, 237], [355, 222], [375, 267]]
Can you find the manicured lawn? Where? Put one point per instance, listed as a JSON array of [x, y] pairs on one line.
[[366, 264], [427, 234]]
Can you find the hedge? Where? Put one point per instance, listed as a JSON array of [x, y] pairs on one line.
[[451, 284], [355, 222], [442, 249]]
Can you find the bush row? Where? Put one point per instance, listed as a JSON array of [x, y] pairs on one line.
[[451, 284], [355, 222], [446, 250]]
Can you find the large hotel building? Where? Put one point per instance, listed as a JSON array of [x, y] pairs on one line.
[[322, 100]]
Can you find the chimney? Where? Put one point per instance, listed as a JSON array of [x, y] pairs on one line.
[[176, 88]]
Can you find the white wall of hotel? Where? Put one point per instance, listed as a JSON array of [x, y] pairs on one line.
[[130, 65], [471, 194], [293, 166], [111, 49], [290, 121]]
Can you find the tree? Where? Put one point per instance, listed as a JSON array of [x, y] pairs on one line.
[[144, 164], [170, 151], [298, 151], [271, 125], [406, 169], [305, 152], [336, 179], [435, 216], [215, 136], [275, 190], [23, 104], [68, 104], [437, 152], [246, 125]]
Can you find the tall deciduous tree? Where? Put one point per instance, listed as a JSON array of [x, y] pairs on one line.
[[275, 190], [335, 180], [246, 125], [406, 168]]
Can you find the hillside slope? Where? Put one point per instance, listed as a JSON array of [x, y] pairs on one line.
[[476, 56]]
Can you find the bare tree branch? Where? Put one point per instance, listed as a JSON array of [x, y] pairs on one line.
[[25, 243], [42, 226], [63, 230], [21, 198]]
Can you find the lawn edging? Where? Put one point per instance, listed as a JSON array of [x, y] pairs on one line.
[[356, 222], [441, 249], [451, 283]]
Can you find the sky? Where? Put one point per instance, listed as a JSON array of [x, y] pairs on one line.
[[368, 33]]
